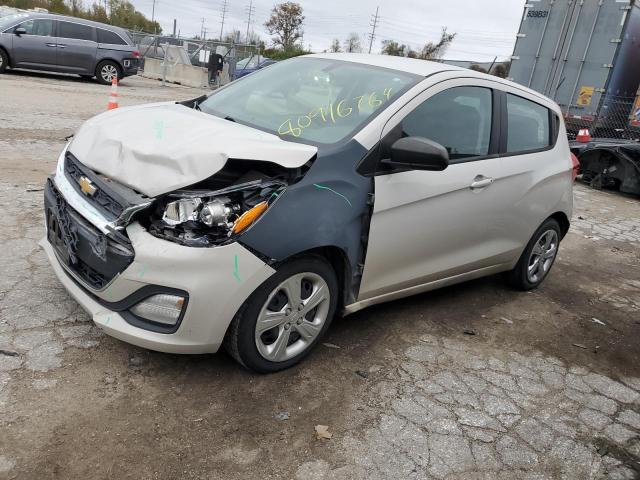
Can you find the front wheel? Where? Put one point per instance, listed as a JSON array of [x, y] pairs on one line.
[[538, 258], [285, 317], [4, 60], [107, 70]]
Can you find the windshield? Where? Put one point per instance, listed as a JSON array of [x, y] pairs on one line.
[[9, 20], [316, 100]]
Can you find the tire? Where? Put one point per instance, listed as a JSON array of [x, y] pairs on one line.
[[4, 60], [105, 71], [290, 334], [530, 271]]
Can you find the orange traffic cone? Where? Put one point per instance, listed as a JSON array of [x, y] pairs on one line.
[[583, 136], [113, 96]]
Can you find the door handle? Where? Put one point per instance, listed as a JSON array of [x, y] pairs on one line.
[[62, 46], [481, 182], [51, 44]]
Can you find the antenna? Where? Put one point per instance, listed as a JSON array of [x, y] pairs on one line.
[[374, 24]]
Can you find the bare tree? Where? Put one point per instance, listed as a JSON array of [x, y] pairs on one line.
[[434, 51], [285, 24], [335, 46], [352, 43]]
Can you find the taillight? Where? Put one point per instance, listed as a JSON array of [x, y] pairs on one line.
[[575, 166], [136, 53]]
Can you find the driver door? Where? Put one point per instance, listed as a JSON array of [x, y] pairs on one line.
[[37, 47], [440, 226]]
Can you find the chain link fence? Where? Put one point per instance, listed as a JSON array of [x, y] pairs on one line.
[[197, 51], [617, 117]]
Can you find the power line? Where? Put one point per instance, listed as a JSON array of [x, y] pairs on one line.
[[223, 14], [250, 9], [375, 18]]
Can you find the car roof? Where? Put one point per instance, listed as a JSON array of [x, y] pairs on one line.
[[423, 68], [410, 65], [90, 23]]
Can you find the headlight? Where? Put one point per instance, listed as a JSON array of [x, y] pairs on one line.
[[181, 211], [206, 218]]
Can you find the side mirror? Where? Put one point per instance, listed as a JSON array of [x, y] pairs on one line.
[[20, 31], [418, 153]]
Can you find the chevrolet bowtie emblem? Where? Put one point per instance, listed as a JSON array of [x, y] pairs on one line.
[[87, 186]]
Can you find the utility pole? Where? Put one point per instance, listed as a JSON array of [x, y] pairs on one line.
[[202, 28], [174, 27], [374, 23], [153, 15], [223, 14], [250, 10]]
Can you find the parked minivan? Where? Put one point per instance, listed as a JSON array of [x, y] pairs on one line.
[[322, 184], [56, 43]]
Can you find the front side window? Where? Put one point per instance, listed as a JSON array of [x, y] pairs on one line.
[[75, 31], [41, 27], [528, 125], [320, 101], [105, 36], [8, 20], [458, 119]]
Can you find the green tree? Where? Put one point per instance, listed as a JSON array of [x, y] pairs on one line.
[[477, 68], [393, 48], [285, 24]]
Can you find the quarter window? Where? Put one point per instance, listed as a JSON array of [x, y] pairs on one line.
[[459, 119], [528, 125], [75, 30], [42, 28], [105, 36]]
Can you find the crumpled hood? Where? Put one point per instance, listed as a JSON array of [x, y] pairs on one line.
[[158, 148]]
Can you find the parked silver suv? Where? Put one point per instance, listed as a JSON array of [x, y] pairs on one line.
[[41, 41]]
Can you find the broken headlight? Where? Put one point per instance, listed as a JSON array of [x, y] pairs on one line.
[[202, 218]]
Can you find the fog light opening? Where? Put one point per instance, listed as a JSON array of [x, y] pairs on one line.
[[164, 309]]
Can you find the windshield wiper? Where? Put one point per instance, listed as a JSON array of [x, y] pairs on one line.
[[231, 119]]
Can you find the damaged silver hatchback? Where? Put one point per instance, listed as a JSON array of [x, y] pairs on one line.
[[328, 183]]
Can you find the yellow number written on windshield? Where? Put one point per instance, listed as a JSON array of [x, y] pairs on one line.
[[333, 112]]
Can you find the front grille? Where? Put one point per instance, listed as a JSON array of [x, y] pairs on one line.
[[101, 199], [92, 256]]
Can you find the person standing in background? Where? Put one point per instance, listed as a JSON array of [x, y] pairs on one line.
[[214, 66]]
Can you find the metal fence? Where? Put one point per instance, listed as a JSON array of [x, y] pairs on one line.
[[617, 117], [152, 46]]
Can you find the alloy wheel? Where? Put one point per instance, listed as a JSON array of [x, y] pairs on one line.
[[292, 317], [108, 73], [542, 256]]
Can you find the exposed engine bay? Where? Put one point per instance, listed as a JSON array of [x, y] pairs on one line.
[[213, 212]]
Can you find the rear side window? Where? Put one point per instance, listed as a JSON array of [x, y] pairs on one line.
[[105, 36], [42, 27], [75, 30], [458, 119], [528, 125]]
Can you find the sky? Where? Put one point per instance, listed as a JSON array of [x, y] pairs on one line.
[[485, 29]]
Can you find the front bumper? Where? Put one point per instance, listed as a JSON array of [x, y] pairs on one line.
[[216, 280]]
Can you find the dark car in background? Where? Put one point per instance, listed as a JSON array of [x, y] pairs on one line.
[[56, 43], [247, 66]]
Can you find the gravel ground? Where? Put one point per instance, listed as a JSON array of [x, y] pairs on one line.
[[543, 385]]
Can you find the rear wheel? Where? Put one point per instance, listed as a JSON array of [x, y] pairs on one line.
[[107, 70], [538, 258], [285, 317], [4, 60]]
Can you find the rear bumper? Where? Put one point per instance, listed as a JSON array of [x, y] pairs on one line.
[[132, 68]]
